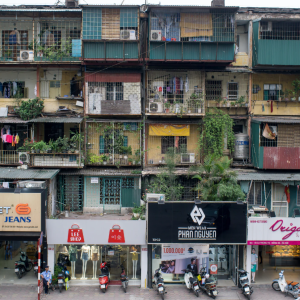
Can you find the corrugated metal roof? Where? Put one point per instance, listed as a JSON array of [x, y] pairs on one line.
[[267, 176], [276, 120], [101, 172], [42, 10], [14, 173], [56, 120], [11, 120]]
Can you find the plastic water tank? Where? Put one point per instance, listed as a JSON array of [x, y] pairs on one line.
[[241, 147]]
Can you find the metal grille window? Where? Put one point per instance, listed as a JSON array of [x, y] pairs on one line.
[[272, 91], [188, 194], [54, 84], [267, 142], [13, 41], [298, 196], [283, 30], [279, 202], [191, 26], [213, 89], [255, 194], [233, 91], [114, 91], [179, 143]]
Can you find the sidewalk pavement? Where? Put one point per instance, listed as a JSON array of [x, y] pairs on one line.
[[11, 292]]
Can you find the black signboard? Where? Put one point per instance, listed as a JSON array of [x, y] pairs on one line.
[[186, 222]]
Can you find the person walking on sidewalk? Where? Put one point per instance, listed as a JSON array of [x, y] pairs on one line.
[[47, 278], [254, 260]]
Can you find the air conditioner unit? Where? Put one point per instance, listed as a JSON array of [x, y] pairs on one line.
[[24, 157], [188, 158], [32, 184], [155, 197], [265, 26], [155, 35], [26, 55], [155, 107], [127, 35]]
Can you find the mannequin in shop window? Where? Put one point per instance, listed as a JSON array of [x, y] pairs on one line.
[[135, 258], [85, 256], [95, 254], [63, 253], [73, 257]]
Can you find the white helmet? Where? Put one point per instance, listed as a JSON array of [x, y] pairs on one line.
[[206, 276]]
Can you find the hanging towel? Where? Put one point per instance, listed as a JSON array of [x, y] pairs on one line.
[[186, 84], [5, 185], [13, 141], [8, 138], [17, 139], [263, 107]]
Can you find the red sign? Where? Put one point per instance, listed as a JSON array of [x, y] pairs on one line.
[[75, 235], [116, 235], [213, 269]]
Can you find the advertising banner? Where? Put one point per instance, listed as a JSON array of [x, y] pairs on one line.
[[20, 212], [99, 232], [176, 257], [274, 231], [206, 223]]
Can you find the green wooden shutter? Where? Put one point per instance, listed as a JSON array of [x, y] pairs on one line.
[[277, 95], [125, 141], [266, 95], [101, 144]]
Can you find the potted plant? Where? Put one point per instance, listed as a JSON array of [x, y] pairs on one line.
[[218, 100], [281, 94], [136, 211], [232, 103], [293, 95], [197, 100], [224, 102], [104, 159], [95, 159], [77, 139], [296, 85], [167, 106], [286, 95], [241, 101], [127, 151], [39, 146], [130, 161]]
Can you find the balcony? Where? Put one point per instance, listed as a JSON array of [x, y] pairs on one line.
[[179, 141], [114, 94], [111, 33], [281, 149], [10, 158], [114, 144], [40, 40], [175, 93], [59, 160], [271, 39], [192, 35]]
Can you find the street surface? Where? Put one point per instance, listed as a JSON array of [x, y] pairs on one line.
[[9, 292]]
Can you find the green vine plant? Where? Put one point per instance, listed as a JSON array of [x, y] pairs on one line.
[[217, 125], [167, 182], [216, 181], [29, 109]]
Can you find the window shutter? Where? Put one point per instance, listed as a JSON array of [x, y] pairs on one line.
[[125, 142], [101, 144], [266, 95]]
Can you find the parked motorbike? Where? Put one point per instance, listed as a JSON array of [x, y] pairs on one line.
[[23, 265], [104, 277], [124, 278], [207, 284], [63, 277], [190, 282], [159, 283], [35, 267], [286, 286], [244, 282]]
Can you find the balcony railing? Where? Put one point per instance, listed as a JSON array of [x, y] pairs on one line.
[[59, 160], [116, 160], [10, 157], [176, 108], [180, 159]]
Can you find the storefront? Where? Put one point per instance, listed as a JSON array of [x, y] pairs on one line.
[[214, 233], [22, 218], [276, 242], [85, 244]]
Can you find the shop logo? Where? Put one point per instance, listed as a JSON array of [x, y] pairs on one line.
[[289, 230], [197, 215], [116, 235], [23, 209], [191, 250], [75, 235]]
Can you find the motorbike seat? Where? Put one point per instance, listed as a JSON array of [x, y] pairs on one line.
[[242, 271], [160, 280], [208, 280], [192, 280], [292, 282], [102, 275]]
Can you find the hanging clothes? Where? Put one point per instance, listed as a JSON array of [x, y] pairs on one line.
[[186, 84], [13, 141], [1, 89], [14, 37], [15, 88], [5, 185], [8, 138], [176, 141], [17, 139]]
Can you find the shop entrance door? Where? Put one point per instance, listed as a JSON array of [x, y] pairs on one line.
[[112, 195], [233, 259]]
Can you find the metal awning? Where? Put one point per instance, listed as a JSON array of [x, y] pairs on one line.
[[286, 120], [12, 120], [56, 120], [102, 172], [14, 173], [267, 176]]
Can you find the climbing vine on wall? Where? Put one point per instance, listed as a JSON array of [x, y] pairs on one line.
[[217, 125]]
